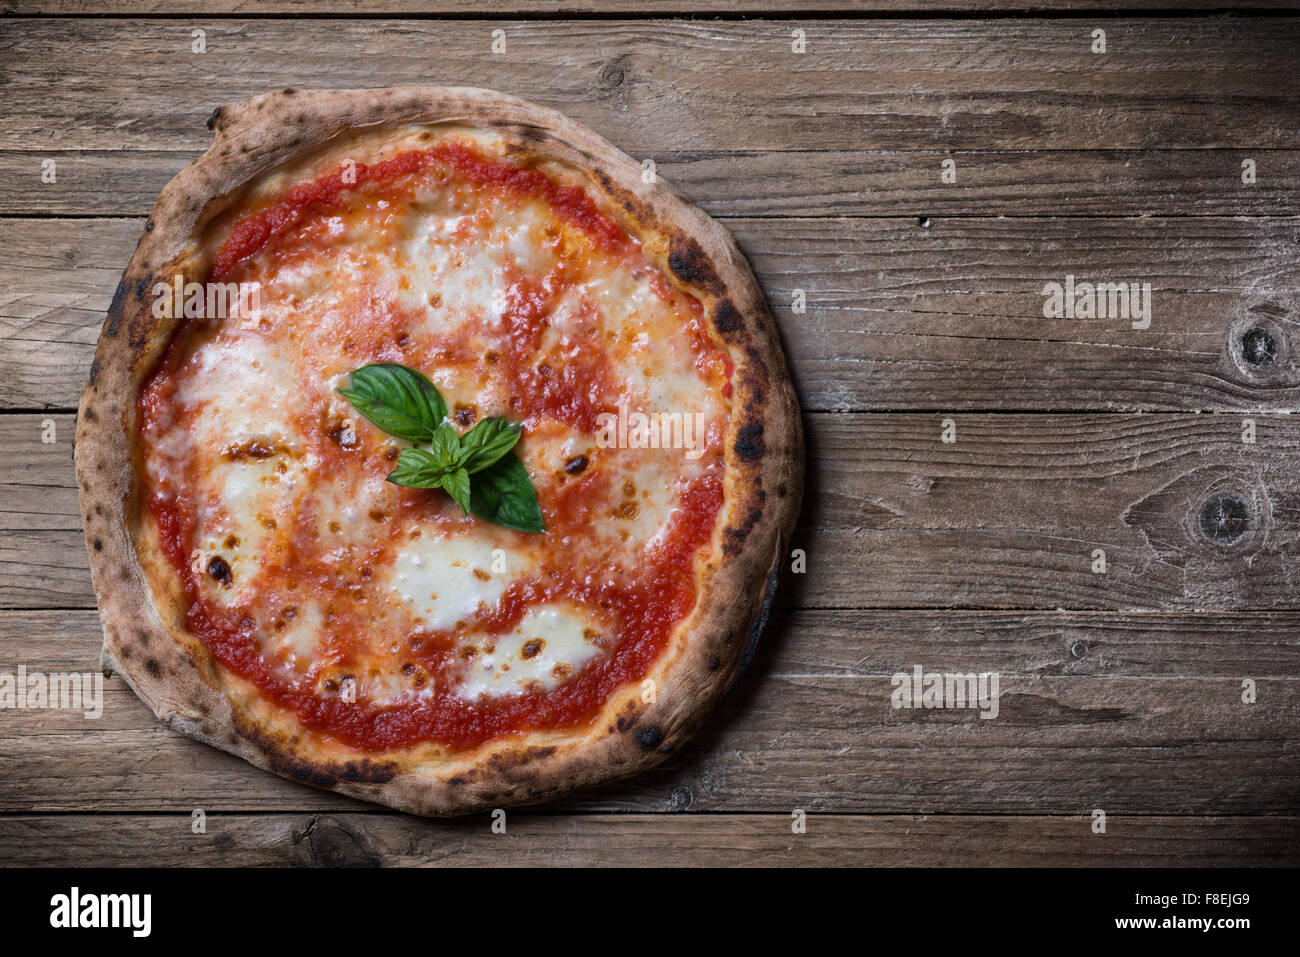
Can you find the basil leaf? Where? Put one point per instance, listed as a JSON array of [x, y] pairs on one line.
[[456, 484], [399, 400], [417, 468], [488, 441], [503, 494], [446, 447]]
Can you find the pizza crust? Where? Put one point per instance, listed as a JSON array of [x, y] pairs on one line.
[[140, 601]]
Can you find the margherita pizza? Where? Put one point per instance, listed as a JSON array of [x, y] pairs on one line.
[[433, 451]]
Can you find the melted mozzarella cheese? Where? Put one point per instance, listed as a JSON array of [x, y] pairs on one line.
[[551, 643], [446, 581]]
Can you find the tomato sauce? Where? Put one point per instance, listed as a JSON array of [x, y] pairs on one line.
[[644, 606]]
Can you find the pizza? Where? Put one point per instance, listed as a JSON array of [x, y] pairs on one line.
[[434, 452]]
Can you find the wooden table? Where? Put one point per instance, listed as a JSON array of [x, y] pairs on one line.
[[1122, 691]]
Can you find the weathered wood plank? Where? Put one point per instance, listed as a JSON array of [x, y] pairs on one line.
[[1010, 515], [638, 840], [898, 316], [526, 8], [730, 183], [1058, 745], [821, 735], [663, 85], [1012, 512], [38, 490]]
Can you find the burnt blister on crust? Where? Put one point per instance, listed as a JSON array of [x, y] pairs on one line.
[[735, 535], [692, 266], [321, 775], [727, 318], [749, 442]]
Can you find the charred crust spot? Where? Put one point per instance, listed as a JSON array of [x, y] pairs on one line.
[[624, 723], [649, 737], [715, 663], [368, 772], [98, 545], [219, 571], [782, 491], [115, 308], [252, 449], [153, 667], [144, 638], [576, 465], [94, 374], [341, 434], [140, 286], [638, 211], [756, 629], [726, 317], [289, 91], [749, 442], [517, 758], [213, 118], [530, 133], [148, 226], [734, 535], [689, 264], [321, 775]]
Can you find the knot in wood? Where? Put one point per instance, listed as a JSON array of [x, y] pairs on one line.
[[1224, 518], [1259, 348]]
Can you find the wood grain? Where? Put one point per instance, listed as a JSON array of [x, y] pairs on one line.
[[899, 316], [810, 725], [1058, 745], [731, 183], [671, 85], [1008, 516], [534, 8], [1120, 691], [646, 840]]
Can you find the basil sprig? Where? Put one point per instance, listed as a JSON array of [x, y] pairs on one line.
[[477, 469]]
